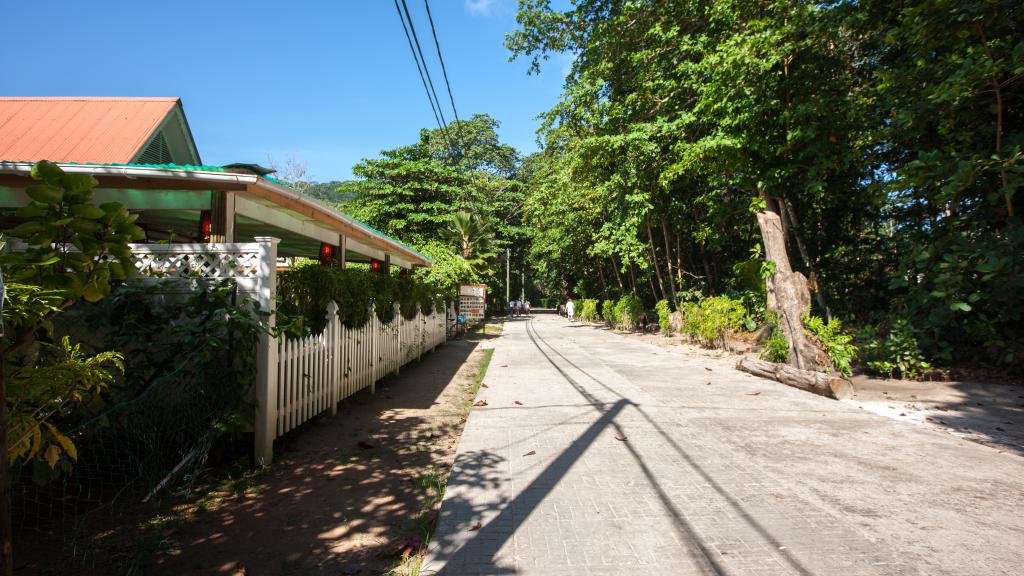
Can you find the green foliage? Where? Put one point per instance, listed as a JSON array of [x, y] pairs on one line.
[[664, 316], [889, 135], [64, 379], [629, 311], [608, 312], [895, 354], [588, 310], [776, 348], [60, 218], [305, 291], [74, 250], [711, 320], [836, 343]]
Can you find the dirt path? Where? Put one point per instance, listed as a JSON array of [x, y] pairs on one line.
[[345, 492]]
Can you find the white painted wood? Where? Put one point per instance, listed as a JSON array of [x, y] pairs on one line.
[[266, 354]]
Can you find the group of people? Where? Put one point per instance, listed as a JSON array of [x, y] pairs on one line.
[[518, 308]]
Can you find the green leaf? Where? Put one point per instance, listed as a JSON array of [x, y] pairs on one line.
[[78, 183], [45, 194], [961, 306], [26, 229], [46, 171], [32, 210], [88, 211]]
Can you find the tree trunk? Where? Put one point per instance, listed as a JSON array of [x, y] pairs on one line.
[[827, 385], [600, 276], [668, 262], [618, 277], [6, 534], [632, 278], [788, 297], [654, 260], [795, 227]]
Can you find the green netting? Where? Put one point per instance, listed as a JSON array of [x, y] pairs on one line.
[[192, 366]]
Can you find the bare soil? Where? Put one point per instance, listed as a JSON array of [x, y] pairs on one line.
[[343, 493]]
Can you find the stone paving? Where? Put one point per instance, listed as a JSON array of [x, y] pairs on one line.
[[598, 454]]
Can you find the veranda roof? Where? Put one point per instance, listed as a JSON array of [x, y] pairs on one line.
[[174, 196]]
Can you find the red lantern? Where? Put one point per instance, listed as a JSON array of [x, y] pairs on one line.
[[326, 253], [205, 225], [376, 265]]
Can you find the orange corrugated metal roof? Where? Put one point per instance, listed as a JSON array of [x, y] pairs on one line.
[[78, 129]]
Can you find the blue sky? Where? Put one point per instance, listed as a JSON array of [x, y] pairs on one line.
[[325, 82]]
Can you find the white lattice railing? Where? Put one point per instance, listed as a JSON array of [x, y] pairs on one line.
[[316, 372], [296, 379]]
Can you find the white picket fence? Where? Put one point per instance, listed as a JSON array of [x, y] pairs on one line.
[[296, 379], [316, 372]]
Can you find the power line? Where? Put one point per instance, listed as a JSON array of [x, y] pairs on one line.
[[444, 71], [420, 68], [430, 81]]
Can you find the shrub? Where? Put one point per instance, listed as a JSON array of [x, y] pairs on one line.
[[711, 320], [588, 311], [837, 344], [664, 316], [896, 354], [608, 312], [776, 348], [304, 291], [629, 310]]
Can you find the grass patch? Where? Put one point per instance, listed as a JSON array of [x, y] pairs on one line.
[[482, 371]]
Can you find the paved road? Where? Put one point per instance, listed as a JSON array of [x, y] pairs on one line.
[[625, 458]]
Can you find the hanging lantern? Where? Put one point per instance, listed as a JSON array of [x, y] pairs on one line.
[[326, 253], [205, 225], [376, 265]]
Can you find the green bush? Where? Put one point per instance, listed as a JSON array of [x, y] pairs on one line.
[[629, 310], [664, 316], [837, 344], [304, 291], [897, 354], [608, 312], [711, 320], [588, 311], [776, 348]]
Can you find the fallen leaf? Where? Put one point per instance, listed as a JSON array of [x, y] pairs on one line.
[[484, 385], [480, 403], [450, 437], [475, 527], [903, 414], [530, 453], [518, 403], [364, 445], [708, 384], [504, 366], [753, 393], [708, 369], [621, 438]]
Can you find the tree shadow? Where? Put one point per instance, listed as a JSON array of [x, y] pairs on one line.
[[987, 412], [343, 493]]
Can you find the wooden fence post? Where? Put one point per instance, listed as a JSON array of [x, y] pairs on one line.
[[374, 341], [266, 354], [399, 356], [334, 349]]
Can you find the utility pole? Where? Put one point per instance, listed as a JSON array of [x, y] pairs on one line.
[[508, 281], [522, 287]]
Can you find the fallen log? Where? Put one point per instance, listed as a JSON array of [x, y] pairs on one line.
[[828, 385]]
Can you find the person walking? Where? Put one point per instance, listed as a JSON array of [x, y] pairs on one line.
[[570, 309], [511, 308], [526, 307]]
